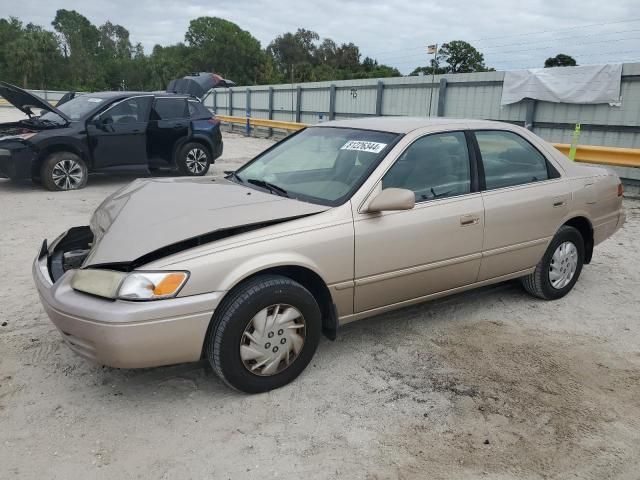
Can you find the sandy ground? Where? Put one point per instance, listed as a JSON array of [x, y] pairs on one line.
[[489, 384]]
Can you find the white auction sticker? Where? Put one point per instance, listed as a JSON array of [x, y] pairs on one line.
[[363, 146], [94, 100]]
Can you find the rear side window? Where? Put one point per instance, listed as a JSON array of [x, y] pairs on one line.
[[434, 166], [508, 160], [168, 108], [198, 110]]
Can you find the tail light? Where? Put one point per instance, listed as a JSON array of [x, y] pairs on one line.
[[620, 189], [214, 121]]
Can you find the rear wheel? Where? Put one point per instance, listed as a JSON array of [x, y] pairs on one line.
[[560, 267], [194, 159], [265, 334], [63, 171]]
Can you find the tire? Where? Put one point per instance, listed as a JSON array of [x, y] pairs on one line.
[[228, 341], [194, 159], [540, 284], [62, 171]]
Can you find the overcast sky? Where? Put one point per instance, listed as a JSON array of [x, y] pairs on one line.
[[511, 34]]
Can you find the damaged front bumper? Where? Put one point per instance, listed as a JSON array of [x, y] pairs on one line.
[[16, 161], [119, 333]]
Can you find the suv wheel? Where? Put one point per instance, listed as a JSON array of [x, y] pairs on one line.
[[63, 171], [560, 267], [194, 159], [264, 334]]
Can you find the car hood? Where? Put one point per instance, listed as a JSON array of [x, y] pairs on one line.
[[24, 101], [152, 218]]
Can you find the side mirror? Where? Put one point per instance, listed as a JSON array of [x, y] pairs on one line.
[[391, 199]]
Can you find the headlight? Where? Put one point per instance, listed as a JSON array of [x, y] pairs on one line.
[[151, 285], [129, 286], [21, 136]]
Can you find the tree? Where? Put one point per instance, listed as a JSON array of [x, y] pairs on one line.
[[294, 54], [560, 60], [460, 57], [114, 41], [33, 53], [221, 46], [80, 42], [457, 56]]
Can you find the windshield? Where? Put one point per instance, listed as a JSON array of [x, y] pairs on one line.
[[75, 109], [321, 165]]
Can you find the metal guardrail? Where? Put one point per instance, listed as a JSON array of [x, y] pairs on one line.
[[263, 122], [615, 157]]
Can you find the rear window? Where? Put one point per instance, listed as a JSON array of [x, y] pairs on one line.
[[167, 108]]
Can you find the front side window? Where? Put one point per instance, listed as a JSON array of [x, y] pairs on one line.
[[508, 160], [319, 164], [435, 166], [131, 110], [167, 108]]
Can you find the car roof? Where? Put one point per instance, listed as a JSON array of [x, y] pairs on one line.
[[408, 124]]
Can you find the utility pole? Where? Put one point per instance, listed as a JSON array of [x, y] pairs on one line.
[[432, 49], [292, 114]]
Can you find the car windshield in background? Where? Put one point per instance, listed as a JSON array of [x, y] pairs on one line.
[[320, 165], [75, 109]]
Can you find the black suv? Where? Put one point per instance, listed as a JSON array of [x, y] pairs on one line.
[[109, 132]]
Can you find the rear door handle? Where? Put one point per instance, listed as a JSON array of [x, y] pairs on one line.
[[559, 201], [467, 220]]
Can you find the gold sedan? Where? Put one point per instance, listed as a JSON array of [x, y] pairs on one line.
[[336, 223]]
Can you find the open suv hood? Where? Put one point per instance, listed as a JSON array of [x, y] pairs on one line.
[[25, 101], [152, 218]]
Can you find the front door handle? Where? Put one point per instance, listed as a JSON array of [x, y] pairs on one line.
[[467, 220]]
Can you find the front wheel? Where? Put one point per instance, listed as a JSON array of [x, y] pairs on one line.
[[63, 171], [264, 334], [560, 267], [193, 159]]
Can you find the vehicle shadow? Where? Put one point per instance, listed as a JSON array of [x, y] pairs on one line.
[[185, 380]]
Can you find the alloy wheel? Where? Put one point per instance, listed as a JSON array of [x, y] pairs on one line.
[[563, 265], [67, 174], [272, 340], [196, 160]]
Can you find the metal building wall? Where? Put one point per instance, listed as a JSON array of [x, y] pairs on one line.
[[471, 95]]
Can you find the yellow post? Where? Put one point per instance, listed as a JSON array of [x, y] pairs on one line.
[[574, 143]]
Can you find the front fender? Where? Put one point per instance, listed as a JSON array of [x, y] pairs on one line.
[[261, 263]]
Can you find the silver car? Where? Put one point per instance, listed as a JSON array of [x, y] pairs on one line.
[[336, 223]]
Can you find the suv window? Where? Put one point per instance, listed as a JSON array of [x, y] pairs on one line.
[[131, 110], [434, 166], [508, 160], [198, 111], [167, 108]]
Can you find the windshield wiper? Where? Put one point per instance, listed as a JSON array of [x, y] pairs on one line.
[[269, 186], [233, 174]]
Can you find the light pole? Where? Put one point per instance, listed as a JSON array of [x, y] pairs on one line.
[[432, 49]]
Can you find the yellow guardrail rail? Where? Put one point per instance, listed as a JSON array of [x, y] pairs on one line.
[[263, 122], [615, 157]]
